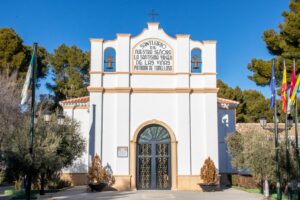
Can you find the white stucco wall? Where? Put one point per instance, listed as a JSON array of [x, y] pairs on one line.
[[192, 116], [116, 110], [82, 117]]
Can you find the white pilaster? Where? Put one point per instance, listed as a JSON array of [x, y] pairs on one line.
[[96, 55], [96, 63], [123, 52], [183, 53], [211, 128], [183, 131], [122, 123], [96, 97], [209, 56]]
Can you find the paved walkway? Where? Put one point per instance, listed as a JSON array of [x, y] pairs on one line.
[[80, 193]]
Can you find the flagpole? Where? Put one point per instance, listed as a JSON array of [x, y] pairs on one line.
[[296, 139], [287, 146], [278, 189], [297, 146], [31, 140]]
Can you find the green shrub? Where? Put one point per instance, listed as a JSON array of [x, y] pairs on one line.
[[59, 184], [235, 179], [63, 183], [2, 177]]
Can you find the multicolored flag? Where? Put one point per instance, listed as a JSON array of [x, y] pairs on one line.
[[293, 81], [25, 90], [284, 88], [295, 90], [272, 87], [292, 86]]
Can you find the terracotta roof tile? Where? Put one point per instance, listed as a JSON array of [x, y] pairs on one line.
[[226, 101], [80, 100], [86, 99]]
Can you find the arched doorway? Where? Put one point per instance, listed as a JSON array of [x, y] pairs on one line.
[[133, 153], [153, 158]]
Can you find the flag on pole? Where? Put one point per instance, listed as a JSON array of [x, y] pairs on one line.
[[293, 80], [284, 88], [272, 87], [25, 89], [292, 86], [295, 90]]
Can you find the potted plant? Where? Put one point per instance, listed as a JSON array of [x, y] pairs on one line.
[[98, 176], [209, 176]]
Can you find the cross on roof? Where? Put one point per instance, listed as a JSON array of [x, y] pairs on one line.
[[153, 14]]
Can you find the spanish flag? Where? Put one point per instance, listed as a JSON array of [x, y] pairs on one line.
[[284, 88]]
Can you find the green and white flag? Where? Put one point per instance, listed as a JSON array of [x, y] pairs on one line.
[[24, 94]]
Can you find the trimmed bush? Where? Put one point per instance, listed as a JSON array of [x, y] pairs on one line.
[[99, 174], [208, 172]]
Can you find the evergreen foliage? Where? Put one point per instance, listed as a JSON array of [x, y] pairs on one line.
[[70, 66], [99, 174], [252, 104], [284, 44], [55, 147], [253, 152], [208, 172], [15, 56]]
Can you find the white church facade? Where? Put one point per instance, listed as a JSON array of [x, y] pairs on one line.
[[152, 112]]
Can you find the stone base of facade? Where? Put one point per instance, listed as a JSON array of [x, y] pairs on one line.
[[189, 182], [123, 182], [75, 178]]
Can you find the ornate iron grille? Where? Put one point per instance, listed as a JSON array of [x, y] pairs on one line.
[[153, 166]]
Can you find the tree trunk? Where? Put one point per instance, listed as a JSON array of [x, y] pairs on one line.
[[42, 191], [262, 186], [266, 188], [28, 186]]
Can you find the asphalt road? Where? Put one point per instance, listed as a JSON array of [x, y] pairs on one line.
[[81, 193]]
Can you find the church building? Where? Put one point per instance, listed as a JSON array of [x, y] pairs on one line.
[[152, 112]]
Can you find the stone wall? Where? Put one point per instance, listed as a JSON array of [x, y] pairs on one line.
[[255, 127], [75, 178]]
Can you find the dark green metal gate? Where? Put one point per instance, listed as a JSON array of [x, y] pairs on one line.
[[153, 158]]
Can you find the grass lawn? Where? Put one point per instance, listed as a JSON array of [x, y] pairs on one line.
[[20, 194], [284, 197], [250, 190], [257, 190]]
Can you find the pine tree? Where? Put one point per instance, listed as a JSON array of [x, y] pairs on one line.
[[252, 104], [15, 56], [70, 66], [283, 45]]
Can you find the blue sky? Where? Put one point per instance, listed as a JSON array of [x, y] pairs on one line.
[[236, 25]]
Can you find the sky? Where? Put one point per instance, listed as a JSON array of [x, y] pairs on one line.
[[236, 25]]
